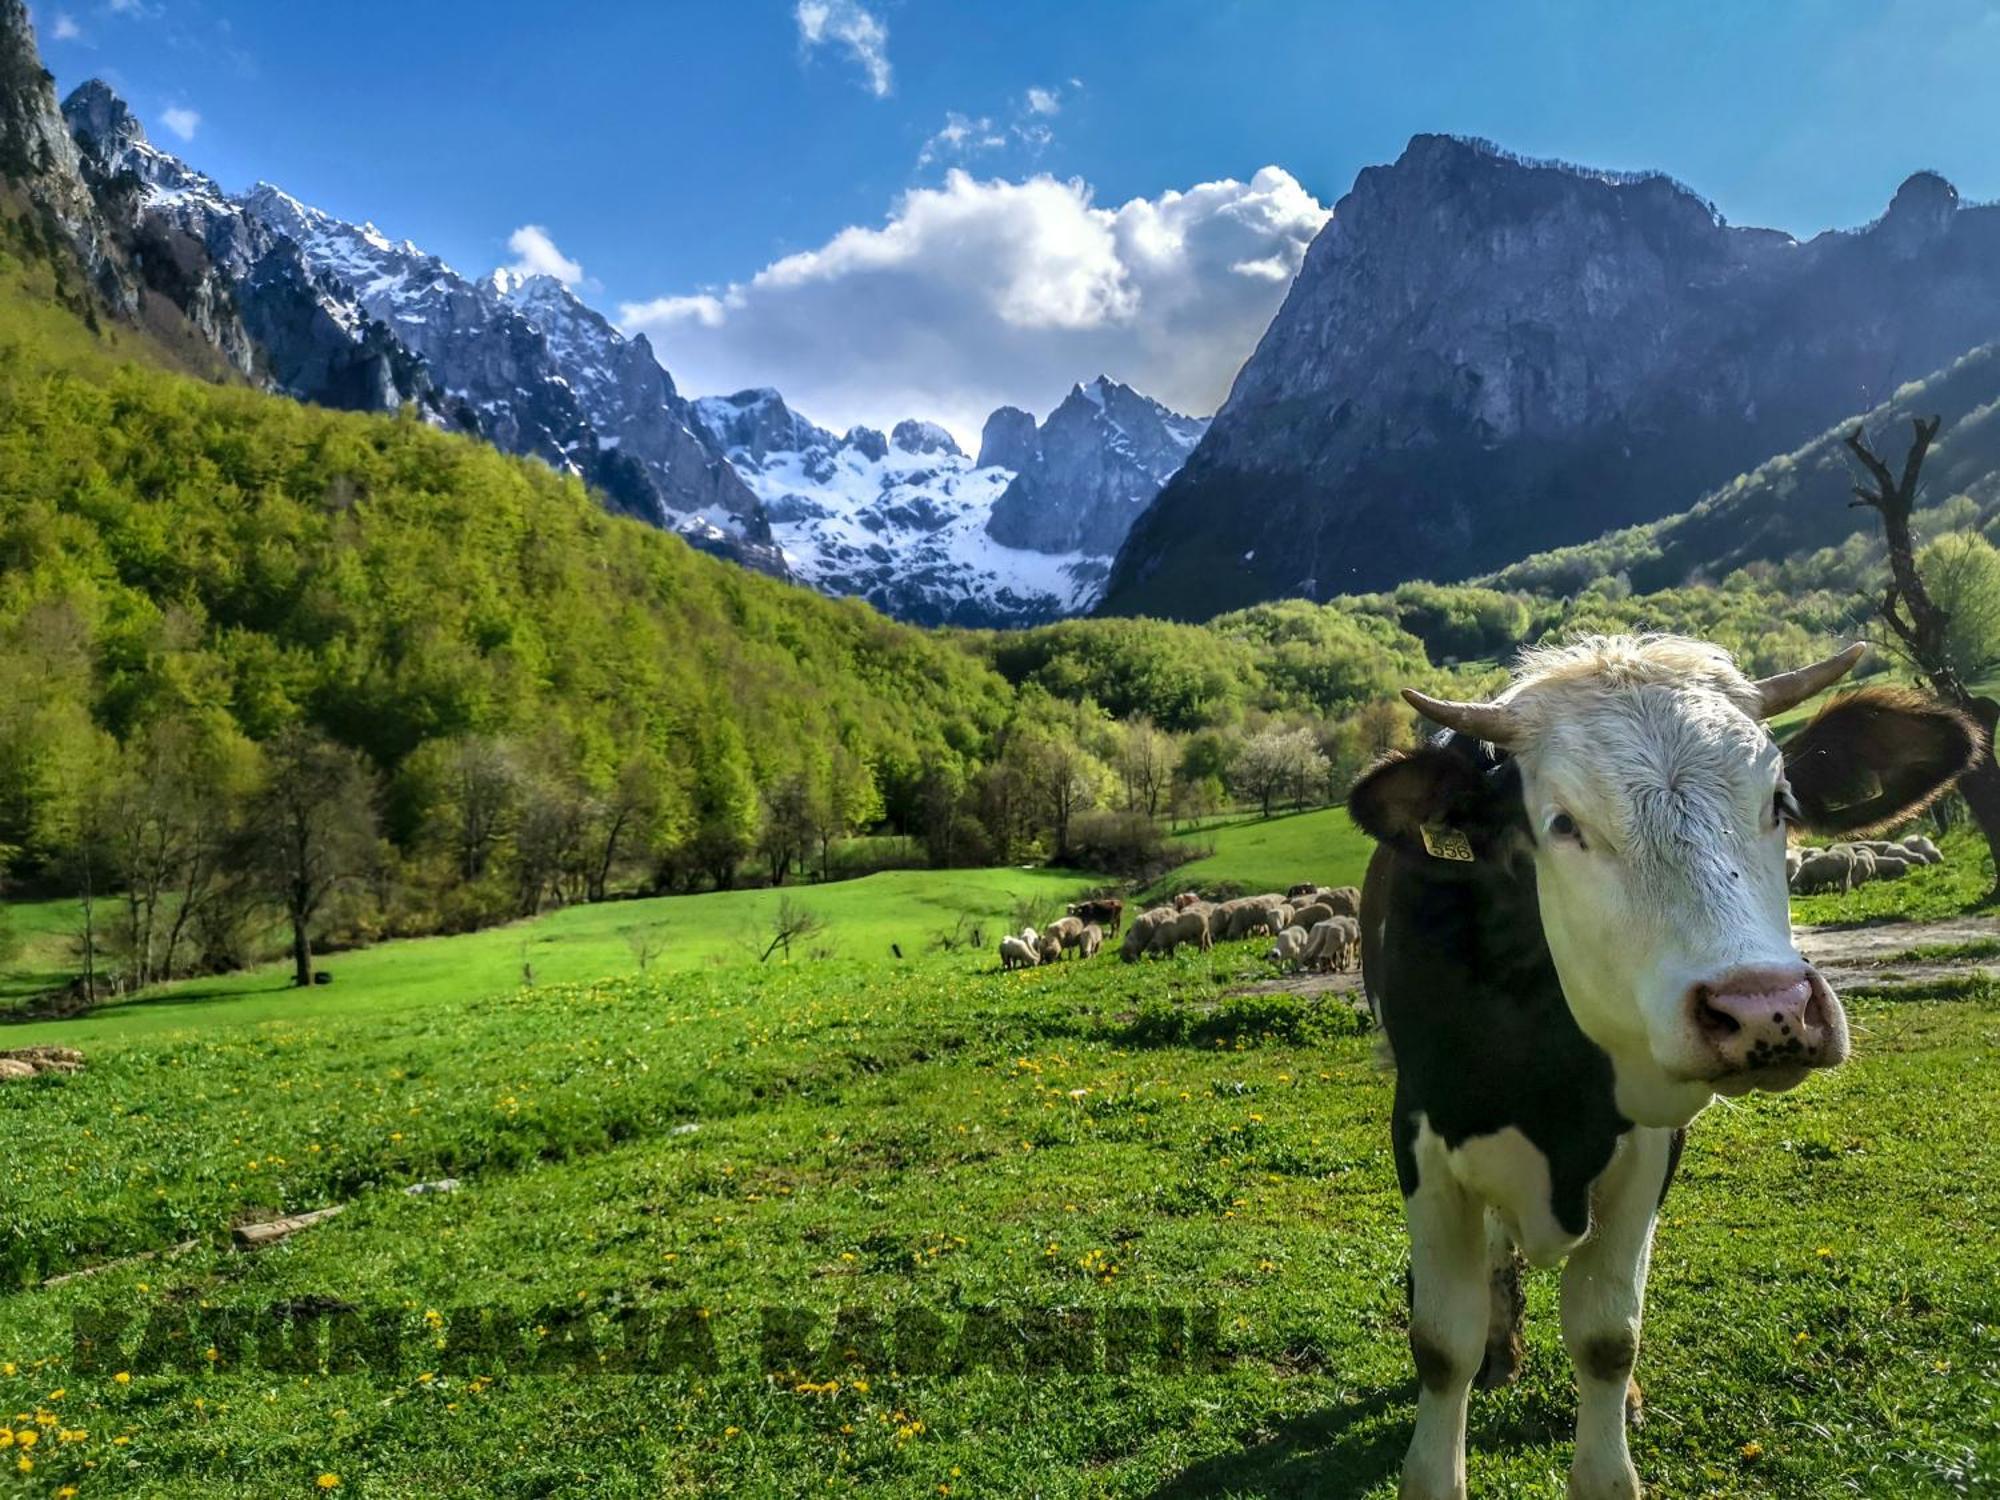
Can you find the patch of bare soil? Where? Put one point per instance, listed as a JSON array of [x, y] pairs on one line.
[[1312, 986], [1871, 956], [1875, 955]]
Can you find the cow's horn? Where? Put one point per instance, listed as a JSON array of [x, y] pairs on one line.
[[1494, 722], [1790, 689]]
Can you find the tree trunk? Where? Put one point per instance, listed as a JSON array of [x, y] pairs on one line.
[[1909, 611], [302, 952]]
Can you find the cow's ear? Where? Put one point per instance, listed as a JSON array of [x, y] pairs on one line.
[[1874, 757], [1410, 797]]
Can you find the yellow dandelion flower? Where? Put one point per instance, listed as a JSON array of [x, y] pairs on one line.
[[25, 1464], [6, 1437], [27, 1437], [1752, 1451], [123, 1377], [328, 1481]]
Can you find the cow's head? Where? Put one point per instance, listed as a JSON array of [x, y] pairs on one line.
[[1638, 778]]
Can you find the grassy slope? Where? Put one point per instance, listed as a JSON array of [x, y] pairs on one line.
[[1262, 854], [863, 917], [939, 1135]]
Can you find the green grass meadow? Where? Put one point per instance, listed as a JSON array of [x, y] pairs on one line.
[[923, 1141], [877, 1227]]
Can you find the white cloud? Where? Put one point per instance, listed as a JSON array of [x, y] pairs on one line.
[[852, 26], [182, 122], [65, 28], [1044, 102], [960, 137], [536, 255], [978, 293]]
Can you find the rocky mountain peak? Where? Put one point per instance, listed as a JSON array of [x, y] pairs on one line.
[[1484, 354], [1008, 439], [1088, 472], [867, 441], [923, 438], [101, 121], [1920, 214]]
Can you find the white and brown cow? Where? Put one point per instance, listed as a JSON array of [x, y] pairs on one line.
[[1575, 935]]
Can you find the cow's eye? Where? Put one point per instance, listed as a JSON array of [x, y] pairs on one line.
[[1784, 808], [1563, 826]]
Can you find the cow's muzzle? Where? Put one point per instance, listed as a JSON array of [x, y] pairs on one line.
[[1766, 1028]]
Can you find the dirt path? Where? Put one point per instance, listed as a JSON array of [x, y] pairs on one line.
[[1848, 956], [1874, 955]]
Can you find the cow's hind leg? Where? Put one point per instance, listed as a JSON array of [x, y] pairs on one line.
[[1505, 1305], [1603, 1298], [1448, 1322]]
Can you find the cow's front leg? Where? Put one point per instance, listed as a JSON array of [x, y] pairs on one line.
[[1603, 1296], [1448, 1321]]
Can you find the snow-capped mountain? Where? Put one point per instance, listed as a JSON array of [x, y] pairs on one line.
[[246, 288], [1088, 471], [542, 372], [908, 521]]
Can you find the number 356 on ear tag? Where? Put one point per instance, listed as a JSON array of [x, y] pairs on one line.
[[1447, 843]]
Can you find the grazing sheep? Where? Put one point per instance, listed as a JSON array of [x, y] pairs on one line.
[[1186, 899], [1334, 944], [1091, 941], [1824, 870], [1346, 943], [1139, 936], [1067, 931], [1304, 888], [1894, 866], [1030, 936], [1289, 950], [1864, 863], [1189, 925], [1017, 953], [1924, 849], [1049, 949], [1311, 916], [1344, 899]]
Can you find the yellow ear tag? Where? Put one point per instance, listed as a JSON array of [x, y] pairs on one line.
[[1446, 843]]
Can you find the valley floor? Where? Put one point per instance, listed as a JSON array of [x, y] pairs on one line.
[[707, 1170]]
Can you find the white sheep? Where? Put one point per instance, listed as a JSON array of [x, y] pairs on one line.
[[1018, 953]]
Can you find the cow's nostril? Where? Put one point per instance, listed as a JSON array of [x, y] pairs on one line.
[[1719, 1022]]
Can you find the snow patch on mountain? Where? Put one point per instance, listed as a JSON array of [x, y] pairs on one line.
[[900, 521]]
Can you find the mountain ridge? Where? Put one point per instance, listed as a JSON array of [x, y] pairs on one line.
[[1484, 356]]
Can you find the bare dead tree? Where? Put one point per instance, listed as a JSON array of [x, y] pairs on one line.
[[1917, 620], [790, 923]]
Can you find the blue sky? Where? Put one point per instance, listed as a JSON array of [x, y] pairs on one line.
[[673, 150]]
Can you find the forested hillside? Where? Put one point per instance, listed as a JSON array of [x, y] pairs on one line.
[[1792, 512]]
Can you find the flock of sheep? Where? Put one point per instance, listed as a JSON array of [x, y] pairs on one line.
[[1311, 927], [1844, 866]]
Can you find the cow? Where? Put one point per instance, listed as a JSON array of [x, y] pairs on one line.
[[1577, 935], [1107, 911]]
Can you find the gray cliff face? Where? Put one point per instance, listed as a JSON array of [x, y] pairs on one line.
[[1091, 469], [540, 373], [1482, 356], [38, 157], [1008, 440], [247, 290]]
